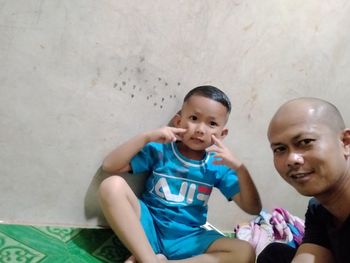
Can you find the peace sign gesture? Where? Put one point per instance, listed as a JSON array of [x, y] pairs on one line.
[[166, 134], [223, 155]]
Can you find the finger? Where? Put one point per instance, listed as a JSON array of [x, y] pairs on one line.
[[178, 133], [213, 148], [172, 136], [178, 137], [168, 136], [178, 130], [216, 141]]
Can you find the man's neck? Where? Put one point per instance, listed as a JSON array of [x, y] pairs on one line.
[[337, 201]]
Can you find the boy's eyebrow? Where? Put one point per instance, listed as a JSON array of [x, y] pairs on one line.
[[199, 113]]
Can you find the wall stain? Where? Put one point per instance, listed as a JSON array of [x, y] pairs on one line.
[[248, 27], [250, 103], [98, 76], [136, 85]]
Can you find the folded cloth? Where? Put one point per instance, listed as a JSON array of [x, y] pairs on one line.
[[279, 226]]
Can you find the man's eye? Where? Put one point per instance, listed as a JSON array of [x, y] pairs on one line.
[[305, 142], [278, 150]]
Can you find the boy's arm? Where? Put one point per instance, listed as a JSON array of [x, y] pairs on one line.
[[248, 198], [119, 159]]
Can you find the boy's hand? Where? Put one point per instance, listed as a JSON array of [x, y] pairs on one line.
[[166, 134], [223, 155]]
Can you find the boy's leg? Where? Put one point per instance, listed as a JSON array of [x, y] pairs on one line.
[[121, 208], [232, 250], [228, 250], [223, 250]]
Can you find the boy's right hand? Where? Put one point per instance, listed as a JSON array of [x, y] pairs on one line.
[[165, 134]]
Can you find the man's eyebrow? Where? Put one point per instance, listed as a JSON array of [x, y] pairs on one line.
[[295, 138], [275, 144]]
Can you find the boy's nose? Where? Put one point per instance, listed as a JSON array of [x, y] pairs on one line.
[[200, 129]]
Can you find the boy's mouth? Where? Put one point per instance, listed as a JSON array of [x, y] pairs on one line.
[[197, 140]]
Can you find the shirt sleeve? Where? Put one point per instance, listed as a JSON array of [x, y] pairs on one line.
[[143, 161], [316, 219], [228, 184]]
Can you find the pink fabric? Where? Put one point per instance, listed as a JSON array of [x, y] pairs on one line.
[[274, 227]]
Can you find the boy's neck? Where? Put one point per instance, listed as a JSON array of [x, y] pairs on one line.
[[189, 153]]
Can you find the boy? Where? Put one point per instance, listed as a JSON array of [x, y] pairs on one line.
[[185, 162]]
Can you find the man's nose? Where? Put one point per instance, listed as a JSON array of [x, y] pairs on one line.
[[295, 159]]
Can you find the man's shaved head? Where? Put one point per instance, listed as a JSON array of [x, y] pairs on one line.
[[320, 110], [310, 145]]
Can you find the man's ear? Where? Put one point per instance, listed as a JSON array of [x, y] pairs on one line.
[[224, 133], [175, 121], [346, 141]]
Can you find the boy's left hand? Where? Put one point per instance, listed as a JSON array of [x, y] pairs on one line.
[[223, 155]]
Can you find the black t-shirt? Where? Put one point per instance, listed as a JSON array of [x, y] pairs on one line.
[[321, 230]]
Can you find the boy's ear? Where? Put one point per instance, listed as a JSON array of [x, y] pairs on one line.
[[175, 121], [224, 133]]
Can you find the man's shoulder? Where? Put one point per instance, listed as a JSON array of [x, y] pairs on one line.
[[316, 208], [313, 202]]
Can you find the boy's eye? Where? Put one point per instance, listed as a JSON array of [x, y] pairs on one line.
[[193, 118], [213, 123]]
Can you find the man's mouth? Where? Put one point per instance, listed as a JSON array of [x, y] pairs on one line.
[[300, 175]]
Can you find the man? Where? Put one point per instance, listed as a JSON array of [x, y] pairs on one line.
[[311, 149]]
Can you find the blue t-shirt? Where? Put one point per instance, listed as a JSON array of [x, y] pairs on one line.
[[177, 189]]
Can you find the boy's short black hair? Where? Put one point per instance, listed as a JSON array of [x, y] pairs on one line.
[[210, 92]]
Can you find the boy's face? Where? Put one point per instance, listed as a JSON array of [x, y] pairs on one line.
[[202, 117]]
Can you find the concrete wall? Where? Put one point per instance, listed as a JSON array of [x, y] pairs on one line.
[[78, 77]]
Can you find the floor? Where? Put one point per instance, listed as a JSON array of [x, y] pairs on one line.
[[47, 244], [32, 244]]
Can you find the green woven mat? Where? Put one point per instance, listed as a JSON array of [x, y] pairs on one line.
[[31, 244]]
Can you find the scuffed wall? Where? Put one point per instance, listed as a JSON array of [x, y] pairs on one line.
[[79, 77]]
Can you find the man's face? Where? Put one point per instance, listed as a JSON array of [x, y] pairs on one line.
[[202, 117], [307, 153]]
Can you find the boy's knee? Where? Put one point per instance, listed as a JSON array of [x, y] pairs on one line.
[[249, 253], [236, 250], [111, 186], [244, 252]]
